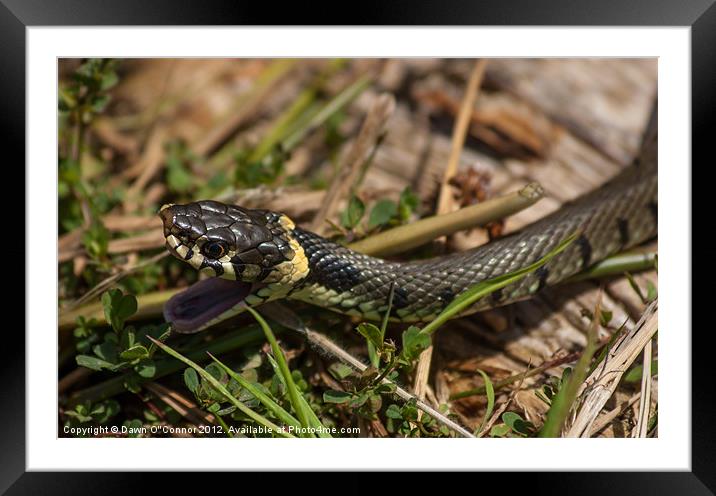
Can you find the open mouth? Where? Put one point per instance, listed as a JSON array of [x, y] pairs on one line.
[[203, 301]]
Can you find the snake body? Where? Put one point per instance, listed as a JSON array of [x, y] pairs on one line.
[[265, 256]]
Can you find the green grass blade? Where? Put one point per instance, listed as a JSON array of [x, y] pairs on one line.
[[293, 394], [227, 432], [372, 353], [286, 121], [617, 265], [275, 135], [220, 387], [312, 418], [333, 106], [386, 317], [484, 288], [566, 396], [266, 400], [490, 392]]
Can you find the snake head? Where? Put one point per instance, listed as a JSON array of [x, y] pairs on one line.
[[231, 242], [250, 255]]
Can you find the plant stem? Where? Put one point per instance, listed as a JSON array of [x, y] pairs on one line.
[[402, 238]]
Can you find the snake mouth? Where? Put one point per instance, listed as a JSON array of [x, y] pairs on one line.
[[197, 306]]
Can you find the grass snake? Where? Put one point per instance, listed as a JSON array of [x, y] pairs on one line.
[[261, 255]]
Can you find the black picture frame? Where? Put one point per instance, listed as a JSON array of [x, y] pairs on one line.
[[700, 15]]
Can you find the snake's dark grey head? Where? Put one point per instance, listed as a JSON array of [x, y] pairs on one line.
[[230, 242], [251, 248]]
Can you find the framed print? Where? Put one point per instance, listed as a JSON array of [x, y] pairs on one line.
[[401, 246]]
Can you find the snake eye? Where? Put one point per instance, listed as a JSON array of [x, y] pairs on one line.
[[214, 249]]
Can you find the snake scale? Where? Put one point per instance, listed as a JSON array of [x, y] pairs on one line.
[[260, 255]]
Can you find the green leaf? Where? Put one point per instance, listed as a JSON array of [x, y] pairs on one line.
[[500, 430], [179, 178], [367, 377], [338, 397], [96, 240], [606, 317], [104, 411], [109, 79], [393, 411], [634, 374], [226, 411], [651, 292], [351, 216], [133, 353], [407, 204], [126, 307], [118, 307], [359, 400], [146, 368], [78, 416], [517, 423], [99, 103], [414, 342], [217, 372], [371, 333], [128, 338], [375, 402], [93, 363], [133, 427], [66, 100], [385, 388], [132, 383], [410, 411], [383, 211], [107, 350], [191, 379], [339, 370], [264, 171]]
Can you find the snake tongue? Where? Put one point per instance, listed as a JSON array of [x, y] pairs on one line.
[[203, 301]]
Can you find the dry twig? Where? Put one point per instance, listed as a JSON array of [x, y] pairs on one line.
[[183, 406], [641, 427], [603, 381]]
